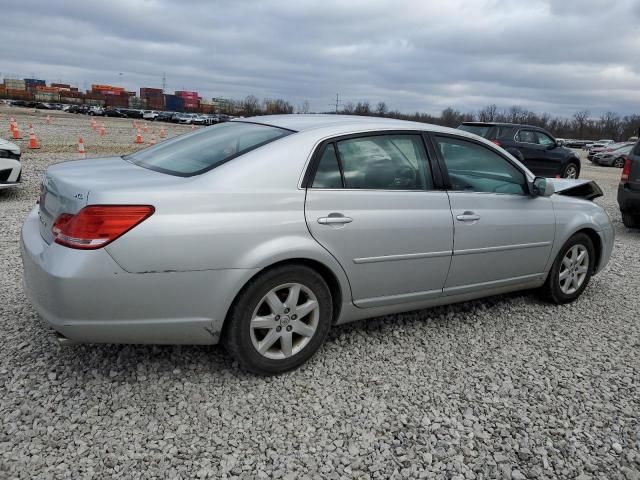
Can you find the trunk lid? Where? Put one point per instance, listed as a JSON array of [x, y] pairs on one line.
[[67, 187]]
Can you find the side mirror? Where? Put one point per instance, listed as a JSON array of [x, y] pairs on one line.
[[541, 187]]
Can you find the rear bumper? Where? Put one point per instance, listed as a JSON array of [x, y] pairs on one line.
[[628, 199], [88, 298]]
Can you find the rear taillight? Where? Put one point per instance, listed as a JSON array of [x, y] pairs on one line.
[[626, 170], [497, 142], [98, 225]]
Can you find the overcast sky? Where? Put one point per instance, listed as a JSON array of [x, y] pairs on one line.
[[557, 56]]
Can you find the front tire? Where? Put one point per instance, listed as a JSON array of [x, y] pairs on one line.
[[571, 271], [279, 320], [571, 170]]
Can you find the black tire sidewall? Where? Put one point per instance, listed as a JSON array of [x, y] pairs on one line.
[[237, 337], [553, 282]]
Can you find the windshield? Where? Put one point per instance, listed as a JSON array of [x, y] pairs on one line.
[[481, 130], [202, 150]]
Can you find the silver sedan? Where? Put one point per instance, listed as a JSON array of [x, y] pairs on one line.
[[262, 233]]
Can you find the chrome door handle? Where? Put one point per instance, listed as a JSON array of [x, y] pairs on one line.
[[468, 217], [334, 220]]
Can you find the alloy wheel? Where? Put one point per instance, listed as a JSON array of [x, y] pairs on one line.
[[574, 269], [284, 321], [571, 172], [619, 162]]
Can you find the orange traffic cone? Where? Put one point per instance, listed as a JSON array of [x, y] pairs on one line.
[[12, 124], [162, 134], [94, 124], [135, 124], [145, 128], [48, 119], [30, 129], [33, 141], [139, 137], [153, 140], [16, 132], [102, 130], [81, 149]]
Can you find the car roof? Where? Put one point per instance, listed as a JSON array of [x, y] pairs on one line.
[[502, 124], [306, 122]]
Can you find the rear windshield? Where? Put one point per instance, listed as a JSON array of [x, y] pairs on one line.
[[481, 130], [202, 150]]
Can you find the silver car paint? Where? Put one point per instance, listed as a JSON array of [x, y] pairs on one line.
[[173, 278]]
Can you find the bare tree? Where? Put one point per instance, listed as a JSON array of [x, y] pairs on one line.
[[580, 120], [381, 109], [304, 108], [488, 113], [251, 105]]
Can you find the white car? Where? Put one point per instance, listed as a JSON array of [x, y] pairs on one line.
[[10, 166], [150, 115]]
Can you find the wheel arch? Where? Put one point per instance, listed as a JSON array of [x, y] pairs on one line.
[[597, 244], [332, 279]]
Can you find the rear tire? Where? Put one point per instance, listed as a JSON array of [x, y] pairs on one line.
[[618, 162], [571, 170], [279, 320], [571, 270], [630, 220]]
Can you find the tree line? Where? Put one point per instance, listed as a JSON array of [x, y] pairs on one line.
[[580, 126]]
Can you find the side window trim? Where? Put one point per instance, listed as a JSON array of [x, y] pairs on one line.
[[432, 162], [445, 173], [339, 158]]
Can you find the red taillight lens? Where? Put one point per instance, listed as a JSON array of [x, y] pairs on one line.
[[626, 170], [98, 225], [497, 142]]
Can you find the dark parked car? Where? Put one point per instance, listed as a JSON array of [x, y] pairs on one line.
[[114, 112], [533, 146], [629, 189], [164, 116]]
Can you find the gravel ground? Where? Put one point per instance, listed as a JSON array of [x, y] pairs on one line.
[[508, 387]]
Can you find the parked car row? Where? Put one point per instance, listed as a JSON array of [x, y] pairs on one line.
[[612, 154]]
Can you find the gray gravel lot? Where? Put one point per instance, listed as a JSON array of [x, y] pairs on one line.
[[508, 387]]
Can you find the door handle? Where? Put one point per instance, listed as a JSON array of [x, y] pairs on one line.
[[334, 219], [468, 217]]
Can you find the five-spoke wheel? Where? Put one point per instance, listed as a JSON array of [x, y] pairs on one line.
[[571, 270]]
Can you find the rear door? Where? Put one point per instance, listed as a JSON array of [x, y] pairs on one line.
[[503, 236], [371, 202]]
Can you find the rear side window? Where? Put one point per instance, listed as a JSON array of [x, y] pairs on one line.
[[481, 130], [527, 136], [328, 172], [475, 168], [636, 150], [200, 151], [502, 132], [380, 162]]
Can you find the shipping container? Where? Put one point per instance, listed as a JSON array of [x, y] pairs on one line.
[[173, 103], [94, 102], [135, 102], [41, 88], [121, 101], [47, 96], [65, 86], [19, 94], [147, 91], [66, 99], [14, 84]]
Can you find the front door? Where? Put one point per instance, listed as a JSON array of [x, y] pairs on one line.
[[372, 205], [503, 235], [540, 153]]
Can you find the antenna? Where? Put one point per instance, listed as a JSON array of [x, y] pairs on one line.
[[164, 81]]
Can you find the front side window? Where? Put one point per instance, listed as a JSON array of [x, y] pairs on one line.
[[545, 140], [200, 151], [527, 136], [476, 168]]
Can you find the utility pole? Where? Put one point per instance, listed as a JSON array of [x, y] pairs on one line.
[[164, 81], [337, 104]]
